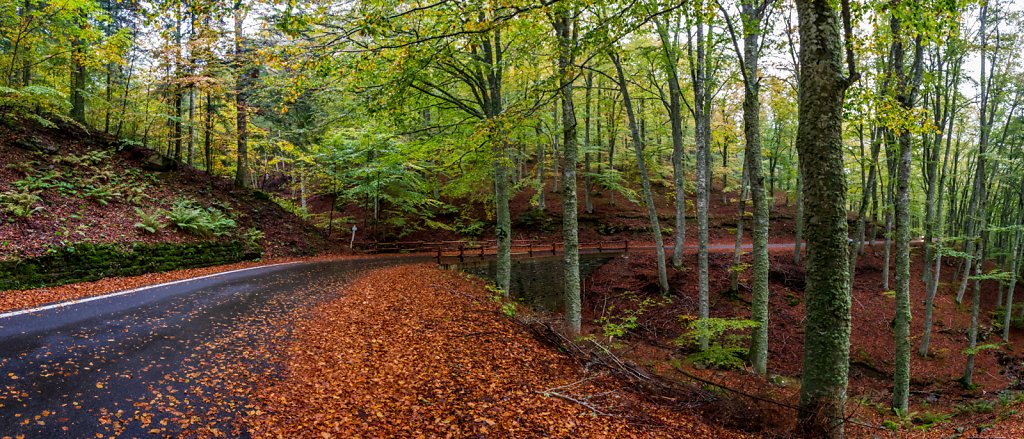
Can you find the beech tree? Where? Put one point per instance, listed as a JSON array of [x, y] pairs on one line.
[[823, 85]]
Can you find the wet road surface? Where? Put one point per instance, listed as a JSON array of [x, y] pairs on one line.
[[96, 369]]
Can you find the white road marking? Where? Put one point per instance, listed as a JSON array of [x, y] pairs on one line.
[[133, 290]]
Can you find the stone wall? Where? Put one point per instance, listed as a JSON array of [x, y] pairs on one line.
[[89, 262]]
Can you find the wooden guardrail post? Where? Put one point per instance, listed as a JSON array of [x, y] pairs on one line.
[[462, 256], [531, 249], [627, 246], [438, 255]]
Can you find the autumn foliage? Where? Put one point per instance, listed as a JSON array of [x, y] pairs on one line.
[[414, 351]]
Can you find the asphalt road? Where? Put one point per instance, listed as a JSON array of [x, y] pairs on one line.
[[85, 369]]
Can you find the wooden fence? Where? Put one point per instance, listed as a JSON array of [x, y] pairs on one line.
[[448, 252]]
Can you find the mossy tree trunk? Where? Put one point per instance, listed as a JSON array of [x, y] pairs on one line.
[[819, 142], [699, 75], [565, 31], [906, 96]]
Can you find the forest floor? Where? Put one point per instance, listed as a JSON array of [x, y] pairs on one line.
[[414, 351], [939, 403], [90, 184]]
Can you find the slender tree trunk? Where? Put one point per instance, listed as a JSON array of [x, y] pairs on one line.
[[906, 97], [985, 126], [79, 75], [541, 204], [702, 127], [659, 246], [588, 203], [933, 284], [241, 102], [675, 115], [191, 124], [799, 227], [570, 227], [1014, 267], [208, 134]]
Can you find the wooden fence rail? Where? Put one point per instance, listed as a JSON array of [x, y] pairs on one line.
[[462, 250]]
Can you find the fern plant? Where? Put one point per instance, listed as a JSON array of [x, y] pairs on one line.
[[149, 222], [20, 204], [186, 215], [101, 194]]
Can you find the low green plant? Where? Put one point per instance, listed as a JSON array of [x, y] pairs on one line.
[[616, 323], [726, 341], [290, 206], [739, 268], [188, 216], [149, 222], [467, 226], [980, 406], [20, 204], [980, 348], [134, 193], [102, 194], [924, 421], [253, 236], [509, 309]]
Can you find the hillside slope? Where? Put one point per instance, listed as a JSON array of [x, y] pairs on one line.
[[63, 185]]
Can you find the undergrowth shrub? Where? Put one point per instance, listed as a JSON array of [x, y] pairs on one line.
[[149, 222], [726, 341], [617, 322], [20, 204], [188, 216], [31, 101]]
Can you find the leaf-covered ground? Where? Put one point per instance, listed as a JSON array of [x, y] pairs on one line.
[[414, 351], [62, 176]]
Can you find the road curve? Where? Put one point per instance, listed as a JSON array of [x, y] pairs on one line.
[[78, 371]]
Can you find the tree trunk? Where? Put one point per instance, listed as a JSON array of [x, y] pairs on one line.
[[659, 246], [799, 227], [208, 134], [675, 115], [588, 203], [242, 120], [540, 173], [78, 80], [933, 284], [1014, 267], [819, 142], [737, 252], [702, 128], [985, 126], [570, 226], [906, 96], [753, 16]]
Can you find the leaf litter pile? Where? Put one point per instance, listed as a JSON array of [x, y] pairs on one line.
[[414, 351]]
